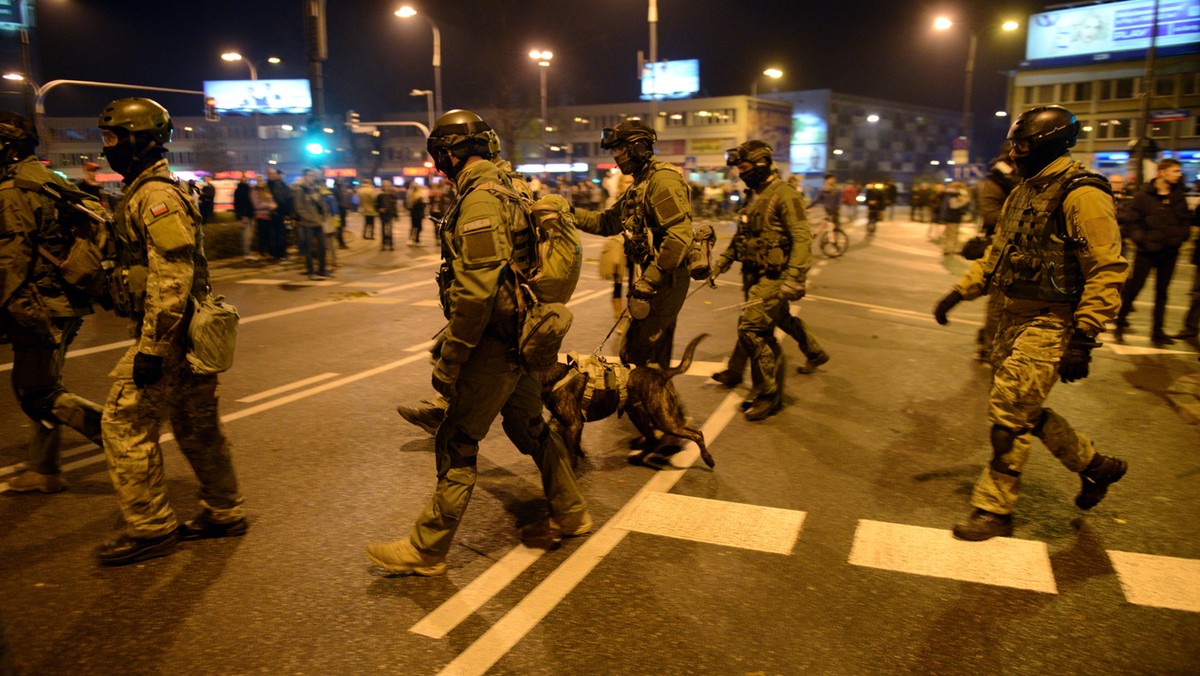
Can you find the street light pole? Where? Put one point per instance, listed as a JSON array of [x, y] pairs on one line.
[[235, 56], [407, 12], [428, 94], [942, 23]]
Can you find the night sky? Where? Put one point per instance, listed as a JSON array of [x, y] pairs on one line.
[[879, 48]]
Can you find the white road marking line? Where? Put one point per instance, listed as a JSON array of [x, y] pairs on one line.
[[313, 282], [264, 282], [410, 285], [1138, 350], [375, 300], [923, 252], [922, 315], [516, 623], [1158, 581], [285, 388], [718, 522], [420, 347], [284, 312], [368, 285], [477, 592], [430, 261], [427, 303], [1004, 562], [587, 296]]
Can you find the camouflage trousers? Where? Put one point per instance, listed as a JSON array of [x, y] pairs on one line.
[[133, 420], [489, 384], [1025, 358], [37, 381], [649, 340], [756, 336]]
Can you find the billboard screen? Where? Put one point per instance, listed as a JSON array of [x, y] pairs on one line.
[[1113, 30], [672, 79], [260, 96]]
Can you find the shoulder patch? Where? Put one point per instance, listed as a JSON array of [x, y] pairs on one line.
[[667, 208], [159, 209]]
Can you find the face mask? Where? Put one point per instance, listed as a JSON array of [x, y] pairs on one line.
[[443, 163], [755, 177], [1032, 163], [120, 158]]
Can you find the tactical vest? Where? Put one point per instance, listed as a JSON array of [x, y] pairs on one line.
[[643, 235], [133, 262], [762, 241], [1036, 258]]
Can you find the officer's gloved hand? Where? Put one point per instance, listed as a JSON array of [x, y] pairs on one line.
[[1074, 363], [444, 376], [639, 299], [147, 369], [791, 289], [944, 306]]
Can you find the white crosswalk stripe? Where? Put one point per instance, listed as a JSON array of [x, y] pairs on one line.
[[1159, 581]]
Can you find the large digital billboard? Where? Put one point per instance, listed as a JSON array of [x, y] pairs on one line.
[[672, 79], [269, 97], [1113, 30]]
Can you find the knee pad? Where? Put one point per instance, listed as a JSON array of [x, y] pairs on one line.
[[463, 440], [39, 404], [1002, 440]]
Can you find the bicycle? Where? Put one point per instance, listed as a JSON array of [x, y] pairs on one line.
[[830, 237]]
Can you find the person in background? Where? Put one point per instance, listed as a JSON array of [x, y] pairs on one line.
[[243, 208], [264, 205], [954, 207], [312, 212], [417, 200], [388, 205], [993, 191], [284, 210], [830, 197], [1158, 223], [366, 204]]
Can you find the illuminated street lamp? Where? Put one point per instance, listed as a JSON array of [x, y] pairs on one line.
[[542, 57], [773, 73], [942, 23], [275, 60], [407, 12]]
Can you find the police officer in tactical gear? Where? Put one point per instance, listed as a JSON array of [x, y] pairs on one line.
[[40, 313], [1056, 258], [655, 216], [161, 271], [477, 368], [774, 245]]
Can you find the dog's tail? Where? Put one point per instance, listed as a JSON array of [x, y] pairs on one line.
[[686, 362]]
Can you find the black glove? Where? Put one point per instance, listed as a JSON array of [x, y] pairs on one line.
[[444, 376], [147, 369], [791, 289], [642, 289], [939, 313], [1074, 363]]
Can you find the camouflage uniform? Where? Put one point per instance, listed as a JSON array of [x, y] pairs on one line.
[[161, 266], [481, 339], [1039, 319], [655, 215], [39, 313], [773, 242]]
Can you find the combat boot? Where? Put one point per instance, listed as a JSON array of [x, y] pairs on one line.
[[559, 526], [402, 558], [1101, 472], [983, 525], [763, 407], [125, 550], [821, 357], [427, 418], [728, 378], [204, 527], [28, 482]]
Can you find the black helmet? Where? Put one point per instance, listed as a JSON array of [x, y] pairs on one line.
[[17, 128], [136, 114], [1041, 135], [458, 133], [629, 131], [1043, 125], [753, 151]]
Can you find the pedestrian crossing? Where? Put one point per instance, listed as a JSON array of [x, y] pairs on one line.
[[1145, 579]]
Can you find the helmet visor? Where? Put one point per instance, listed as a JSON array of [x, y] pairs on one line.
[[609, 138], [734, 157]]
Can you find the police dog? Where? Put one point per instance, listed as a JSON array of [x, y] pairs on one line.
[[650, 403]]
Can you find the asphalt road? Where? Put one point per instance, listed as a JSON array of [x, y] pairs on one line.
[[819, 544]]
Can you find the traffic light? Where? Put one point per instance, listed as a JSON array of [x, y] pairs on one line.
[[351, 118], [314, 138], [210, 109]]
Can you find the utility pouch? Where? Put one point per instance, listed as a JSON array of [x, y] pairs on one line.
[[212, 335]]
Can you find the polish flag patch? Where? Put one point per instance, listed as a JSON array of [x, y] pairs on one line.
[[159, 209]]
